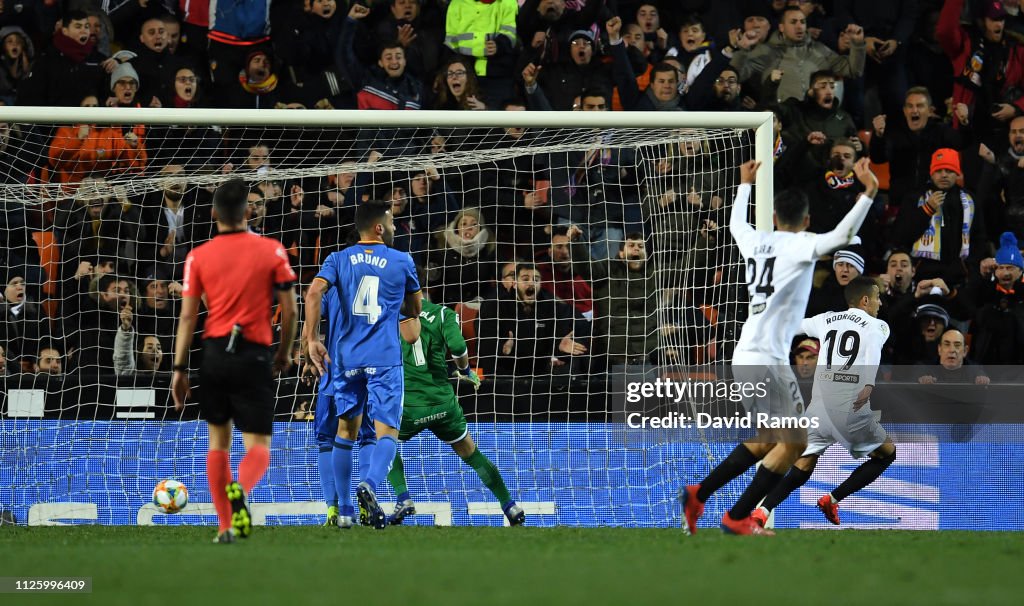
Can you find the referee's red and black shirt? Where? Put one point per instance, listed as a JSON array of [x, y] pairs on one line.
[[239, 273]]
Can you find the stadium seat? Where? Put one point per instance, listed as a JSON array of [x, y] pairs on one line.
[[708, 352], [865, 137], [467, 317], [49, 258], [881, 170], [711, 313]]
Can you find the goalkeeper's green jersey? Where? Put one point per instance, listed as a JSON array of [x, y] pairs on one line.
[[425, 363]]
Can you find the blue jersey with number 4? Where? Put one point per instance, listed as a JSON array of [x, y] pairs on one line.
[[372, 281]]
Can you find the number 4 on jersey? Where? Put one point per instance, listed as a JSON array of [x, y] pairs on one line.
[[764, 282], [365, 302]]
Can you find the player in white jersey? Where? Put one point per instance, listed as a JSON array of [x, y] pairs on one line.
[[851, 349], [780, 269]]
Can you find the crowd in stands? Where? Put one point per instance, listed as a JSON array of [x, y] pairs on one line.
[[553, 259]]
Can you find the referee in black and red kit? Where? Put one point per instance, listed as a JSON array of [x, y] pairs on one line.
[[239, 273]]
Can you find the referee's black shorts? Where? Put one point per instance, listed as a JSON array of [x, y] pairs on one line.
[[237, 386]]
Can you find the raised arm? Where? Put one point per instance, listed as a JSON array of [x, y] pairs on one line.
[[622, 71], [739, 227], [124, 351], [850, 224], [758, 60], [950, 35], [535, 98], [852, 65], [344, 54]]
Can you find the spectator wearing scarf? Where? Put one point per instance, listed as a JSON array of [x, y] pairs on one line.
[[942, 224], [67, 71], [833, 193], [988, 69]]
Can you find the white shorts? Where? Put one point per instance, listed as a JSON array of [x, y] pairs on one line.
[[780, 388], [859, 432]]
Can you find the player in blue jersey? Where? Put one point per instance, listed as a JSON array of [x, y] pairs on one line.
[[374, 283], [326, 428]]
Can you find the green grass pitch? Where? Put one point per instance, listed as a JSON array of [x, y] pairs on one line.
[[521, 566]]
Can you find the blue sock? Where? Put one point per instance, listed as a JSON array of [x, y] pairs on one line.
[[325, 461], [405, 496], [343, 470], [380, 465], [366, 448]]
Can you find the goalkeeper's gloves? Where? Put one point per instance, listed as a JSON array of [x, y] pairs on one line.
[[468, 374]]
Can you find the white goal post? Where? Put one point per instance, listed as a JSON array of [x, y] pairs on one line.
[[760, 122]]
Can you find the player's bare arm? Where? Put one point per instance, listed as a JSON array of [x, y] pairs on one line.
[[867, 178], [186, 329], [413, 304], [289, 322], [409, 328], [748, 172], [849, 225], [311, 330], [738, 224]]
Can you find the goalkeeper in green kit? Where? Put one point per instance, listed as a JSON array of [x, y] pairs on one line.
[[430, 403]]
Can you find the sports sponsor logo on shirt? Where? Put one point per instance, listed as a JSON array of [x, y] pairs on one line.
[[840, 377]]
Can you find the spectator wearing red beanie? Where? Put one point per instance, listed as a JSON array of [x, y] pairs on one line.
[[943, 226]]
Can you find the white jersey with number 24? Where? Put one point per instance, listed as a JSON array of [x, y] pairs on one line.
[[780, 273]]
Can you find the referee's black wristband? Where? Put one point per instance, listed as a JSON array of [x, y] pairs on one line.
[[181, 367]]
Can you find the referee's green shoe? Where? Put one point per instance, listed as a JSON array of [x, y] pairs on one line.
[[240, 519], [332, 515]]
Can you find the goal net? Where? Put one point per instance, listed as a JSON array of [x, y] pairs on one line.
[[580, 250]]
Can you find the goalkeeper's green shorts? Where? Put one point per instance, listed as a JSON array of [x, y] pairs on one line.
[[446, 421]]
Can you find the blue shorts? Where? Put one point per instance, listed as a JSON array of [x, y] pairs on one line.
[[325, 424], [381, 390]]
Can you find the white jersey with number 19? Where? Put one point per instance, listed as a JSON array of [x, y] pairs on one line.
[[780, 273], [851, 349]]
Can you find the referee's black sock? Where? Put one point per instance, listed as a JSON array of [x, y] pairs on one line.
[[794, 479], [763, 483], [738, 461], [867, 473]]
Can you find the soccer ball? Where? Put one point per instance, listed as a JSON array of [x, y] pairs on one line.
[[170, 496]]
